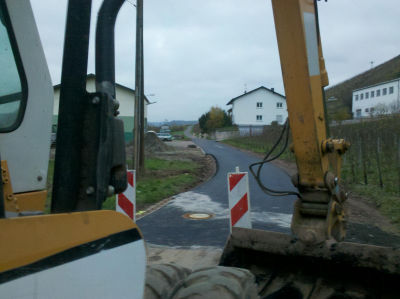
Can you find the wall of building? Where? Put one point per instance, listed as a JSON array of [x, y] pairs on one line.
[[126, 100], [245, 110], [366, 98]]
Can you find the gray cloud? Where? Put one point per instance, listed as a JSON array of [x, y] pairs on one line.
[[201, 53]]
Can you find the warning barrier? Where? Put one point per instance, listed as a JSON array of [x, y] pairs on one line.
[[126, 201], [239, 199]]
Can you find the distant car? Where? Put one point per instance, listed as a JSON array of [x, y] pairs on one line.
[[164, 136]]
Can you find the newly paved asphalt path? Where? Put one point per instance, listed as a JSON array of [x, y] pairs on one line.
[[167, 226]]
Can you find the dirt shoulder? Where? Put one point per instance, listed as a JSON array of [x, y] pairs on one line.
[[185, 150], [359, 209], [180, 150]]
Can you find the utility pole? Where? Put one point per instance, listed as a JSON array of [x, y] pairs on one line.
[[138, 154]]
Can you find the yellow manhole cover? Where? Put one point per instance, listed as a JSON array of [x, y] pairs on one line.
[[198, 216]]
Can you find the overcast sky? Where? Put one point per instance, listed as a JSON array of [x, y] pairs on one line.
[[200, 54]]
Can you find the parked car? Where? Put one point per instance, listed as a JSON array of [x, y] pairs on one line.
[[164, 136]]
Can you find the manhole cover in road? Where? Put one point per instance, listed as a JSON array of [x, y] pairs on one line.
[[198, 216]]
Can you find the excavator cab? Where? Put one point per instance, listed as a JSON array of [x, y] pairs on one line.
[[77, 251]]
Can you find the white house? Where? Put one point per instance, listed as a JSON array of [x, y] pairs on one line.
[[257, 108], [125, 97], [381, 98]]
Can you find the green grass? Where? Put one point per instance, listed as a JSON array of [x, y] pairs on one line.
[[390, 176], [258, 145], [386, 198], [153, 190], [368, 138], [150, 189], [162, 164]]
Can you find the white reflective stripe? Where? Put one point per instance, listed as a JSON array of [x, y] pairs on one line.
[[238, 191], [130, 194], [245, 221], [235, 195], [112, 273], [310, 30]]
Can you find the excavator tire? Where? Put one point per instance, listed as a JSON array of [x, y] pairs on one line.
[[217, 282], [162, 278]]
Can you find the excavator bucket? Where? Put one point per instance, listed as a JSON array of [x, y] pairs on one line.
[[285, 267]]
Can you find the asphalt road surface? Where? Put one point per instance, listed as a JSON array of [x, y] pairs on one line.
[[168, 226]]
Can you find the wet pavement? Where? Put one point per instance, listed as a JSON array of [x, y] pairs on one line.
[[168, 226]]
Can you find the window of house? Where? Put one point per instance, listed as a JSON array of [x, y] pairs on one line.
[[391, 89], [361, 96], [372, 94], [384, 91], [259, 117], [367, 95], [366, 109], [259, 104], [358, 112], [378, 93], [279, 118], [279, 105], [372, 110], [356, 97]]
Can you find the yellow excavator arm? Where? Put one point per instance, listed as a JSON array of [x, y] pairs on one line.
[[313, 262], [319, 213]]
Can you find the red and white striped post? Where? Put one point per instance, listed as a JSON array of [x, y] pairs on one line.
[[126, 201], [239, 199]]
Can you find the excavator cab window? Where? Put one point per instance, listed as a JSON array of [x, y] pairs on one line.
[[12, 95]]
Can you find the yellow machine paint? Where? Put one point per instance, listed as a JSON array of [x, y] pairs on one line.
[[317, 157], [20, 202], [35, 247], [303, 90], [29, 239]]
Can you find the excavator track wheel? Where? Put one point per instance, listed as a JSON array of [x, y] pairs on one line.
[[162, 278], [217, 282]]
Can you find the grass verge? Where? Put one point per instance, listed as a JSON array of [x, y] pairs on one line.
[[258, 145], [163, 179]]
